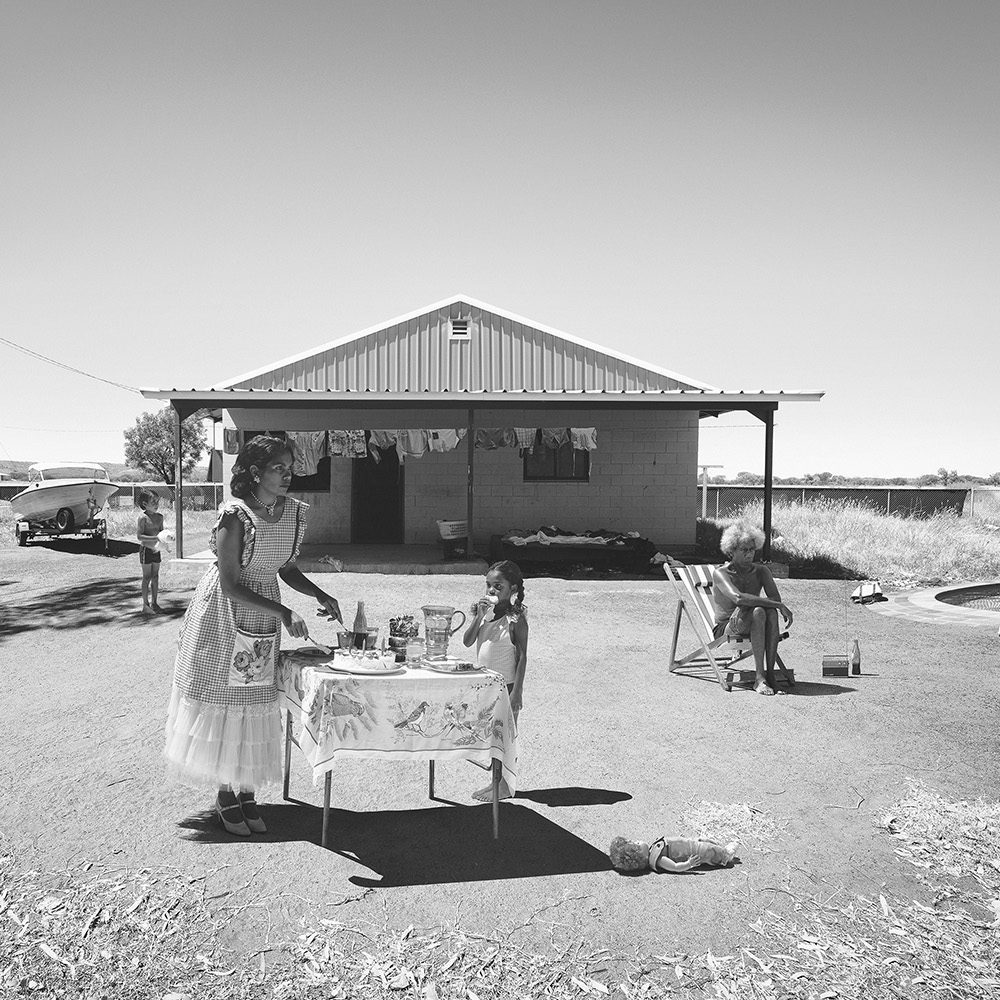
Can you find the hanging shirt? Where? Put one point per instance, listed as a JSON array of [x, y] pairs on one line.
[[583, 438], [490, 438], [308, 447], [554, 437], [411, 442], [231, 440], [524, 437]]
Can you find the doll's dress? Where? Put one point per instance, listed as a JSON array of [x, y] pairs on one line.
[[220, 732], [678, 849]]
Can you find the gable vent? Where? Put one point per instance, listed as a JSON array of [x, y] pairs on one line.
[[460, 329]]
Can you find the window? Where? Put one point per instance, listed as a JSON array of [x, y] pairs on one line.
[[556, 465]]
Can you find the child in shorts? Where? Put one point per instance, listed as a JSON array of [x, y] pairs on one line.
[[147, 530]]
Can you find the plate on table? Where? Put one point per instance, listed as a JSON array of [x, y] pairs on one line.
[[452, 665], [367, 666]]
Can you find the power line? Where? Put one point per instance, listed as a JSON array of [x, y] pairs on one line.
[[69, 368]]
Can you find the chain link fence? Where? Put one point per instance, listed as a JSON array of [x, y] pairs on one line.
[[726, 501]]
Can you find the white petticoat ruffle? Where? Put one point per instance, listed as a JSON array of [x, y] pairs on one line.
[[210, 744]]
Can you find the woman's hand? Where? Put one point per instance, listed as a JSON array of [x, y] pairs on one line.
[[294, 625], [329, 608], [515, 701]]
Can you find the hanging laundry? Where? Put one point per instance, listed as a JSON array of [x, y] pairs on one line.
[[412, 442], [555, 437], [232, 440], [357, 444], [524, 437], [445, 440], [583, 438], [379, 441], [338, 444], [308, 447], [490, 438]]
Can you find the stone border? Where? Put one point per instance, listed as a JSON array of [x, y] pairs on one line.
[[923, 606]]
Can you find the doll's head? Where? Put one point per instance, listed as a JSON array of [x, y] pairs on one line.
[[629, 855]]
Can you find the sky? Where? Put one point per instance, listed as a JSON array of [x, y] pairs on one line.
[[764, 195]]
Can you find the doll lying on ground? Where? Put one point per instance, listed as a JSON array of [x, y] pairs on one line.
[[669, 854]]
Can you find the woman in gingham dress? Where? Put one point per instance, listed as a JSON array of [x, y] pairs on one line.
[[223, 726]]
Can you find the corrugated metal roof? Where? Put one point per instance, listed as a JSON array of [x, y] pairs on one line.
[[502, 352]]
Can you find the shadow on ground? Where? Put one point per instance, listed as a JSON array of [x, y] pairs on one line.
[[95, 602], [425, 846], [573, 796], [117, 549]]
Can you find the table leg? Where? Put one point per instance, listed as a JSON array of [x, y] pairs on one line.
[[326, 807], [288, 754], [497, 775], [430, 779]]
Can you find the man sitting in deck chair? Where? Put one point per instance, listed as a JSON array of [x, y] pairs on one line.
[[739, 608]]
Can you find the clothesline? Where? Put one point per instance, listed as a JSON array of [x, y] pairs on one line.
[[309, 447]]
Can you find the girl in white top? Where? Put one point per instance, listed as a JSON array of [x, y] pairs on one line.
[[498, 625]]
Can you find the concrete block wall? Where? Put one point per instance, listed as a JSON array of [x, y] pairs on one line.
[[643, 477]]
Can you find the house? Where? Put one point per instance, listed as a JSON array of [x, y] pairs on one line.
[[486, 380]]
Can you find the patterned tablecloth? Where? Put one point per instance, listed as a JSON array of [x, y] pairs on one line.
[[415, 714]]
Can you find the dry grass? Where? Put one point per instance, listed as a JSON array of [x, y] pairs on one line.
[[900, 551], [105, 932], [746, 823]]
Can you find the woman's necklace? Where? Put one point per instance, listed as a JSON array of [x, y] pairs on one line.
[[267, 508]]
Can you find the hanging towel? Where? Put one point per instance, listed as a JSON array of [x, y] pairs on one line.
[[583, 438], [445, 439], [338, 444], [555, 437], [308, 447], [411, 442], [358, 443]]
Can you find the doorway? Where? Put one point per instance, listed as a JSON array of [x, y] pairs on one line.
[[377, 499]]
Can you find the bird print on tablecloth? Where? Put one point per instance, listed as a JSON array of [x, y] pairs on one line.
[[414, 719], [454, 720]]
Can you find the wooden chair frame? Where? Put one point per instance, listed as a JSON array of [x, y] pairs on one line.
[[693, 585]]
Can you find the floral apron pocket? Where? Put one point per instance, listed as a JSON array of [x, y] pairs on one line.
[[252, 663]]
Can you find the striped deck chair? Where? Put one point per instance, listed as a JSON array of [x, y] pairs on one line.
[[694, 598]]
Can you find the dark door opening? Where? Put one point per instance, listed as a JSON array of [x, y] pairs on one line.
[[377, 499]]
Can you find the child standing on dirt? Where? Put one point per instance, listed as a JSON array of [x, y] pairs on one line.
[[147, 530], [499, 627]]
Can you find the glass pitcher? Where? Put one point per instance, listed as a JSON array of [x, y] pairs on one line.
[[438, 630]]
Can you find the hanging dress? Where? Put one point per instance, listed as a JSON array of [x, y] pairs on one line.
[[223, 724]]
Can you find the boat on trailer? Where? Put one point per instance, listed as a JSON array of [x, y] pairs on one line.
[[63, 498]]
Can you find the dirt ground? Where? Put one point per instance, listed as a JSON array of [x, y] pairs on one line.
[[611, 743]]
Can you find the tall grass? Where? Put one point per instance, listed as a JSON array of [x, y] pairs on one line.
[[856, 541]]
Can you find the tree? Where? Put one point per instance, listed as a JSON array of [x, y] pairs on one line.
[[993, 479], [928, 479], [149, 445], [947, 477], [749, 478]]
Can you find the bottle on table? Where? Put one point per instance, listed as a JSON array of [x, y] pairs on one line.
[[360, 626], [856, 657]]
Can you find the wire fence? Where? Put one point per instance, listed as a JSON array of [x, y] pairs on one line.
[[726, 501]]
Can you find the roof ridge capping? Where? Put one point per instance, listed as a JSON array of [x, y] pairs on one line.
[[477, 304]]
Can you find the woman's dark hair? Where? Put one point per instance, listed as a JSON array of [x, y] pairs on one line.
[[144, 496], [511, 572], [257, 452]]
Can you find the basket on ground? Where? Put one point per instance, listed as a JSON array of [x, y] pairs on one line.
[[453, 529]]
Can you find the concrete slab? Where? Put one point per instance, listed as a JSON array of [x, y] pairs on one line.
[[406, 560]]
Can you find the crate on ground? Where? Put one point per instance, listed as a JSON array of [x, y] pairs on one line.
[[454, 538]]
